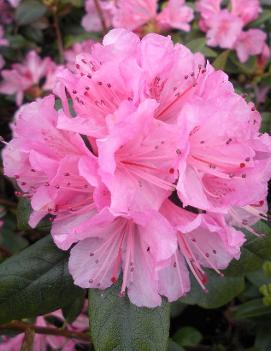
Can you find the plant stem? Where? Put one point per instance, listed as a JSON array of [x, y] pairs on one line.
[[101, 15], [59, 40], [8, 203], [23, 326]]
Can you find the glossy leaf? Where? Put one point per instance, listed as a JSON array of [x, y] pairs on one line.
[[118, 325], [221, 290], [29, 11], [35, 282]]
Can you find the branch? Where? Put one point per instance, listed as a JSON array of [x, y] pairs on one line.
[[101, 15], [58, 38], [8, 203], [4, 252], [23, 326]]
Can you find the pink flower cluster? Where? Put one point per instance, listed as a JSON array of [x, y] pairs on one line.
[[42, 342], [146, 169], [134, 14], [26, 77], [225, 28]]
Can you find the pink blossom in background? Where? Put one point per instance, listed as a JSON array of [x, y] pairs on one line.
[[160, 125], [42, 342], [247, 10], [177, 15], [6, 12], [91, 22], [14, 3], [24, 76], [224, 28], [251, 42], [264, 57], [77, 48], [3, 42], [134, 14]]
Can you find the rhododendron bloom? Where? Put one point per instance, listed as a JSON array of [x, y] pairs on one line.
[[77, 48], [143, 123], [248, 10], [92, 21], [27, 75], [176, 15], [246, 45], [134, 14], [44, 161], [204, 240], [224, 28]]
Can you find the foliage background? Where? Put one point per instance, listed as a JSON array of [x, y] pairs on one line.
[[234, 315]]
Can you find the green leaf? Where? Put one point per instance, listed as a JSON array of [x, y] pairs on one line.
[[266, 122], [9, 239], [29, 11], [188, 336], [197, 44], [251, 309], [221, 290], [221, 60], [173, 346], [118, 325], [253, 253], [249, 67], [263, 338], [73, 309], [265, 16], [76, 3], [23, 213], [35, 282]]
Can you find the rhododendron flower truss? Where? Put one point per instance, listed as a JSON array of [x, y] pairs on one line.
[[143, 123]]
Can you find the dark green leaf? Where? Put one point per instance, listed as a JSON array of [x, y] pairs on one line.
[[23, 213], [199, 45], [196, 45], [220, 291], [250, 309], [263, 338], [253, 253], [248, 68], [188, 336], [266, 122], [29, 11], [9, 239], [118, 325], [265, 16], [173, 346], [221, 60], [35, 282], [73, 309]]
